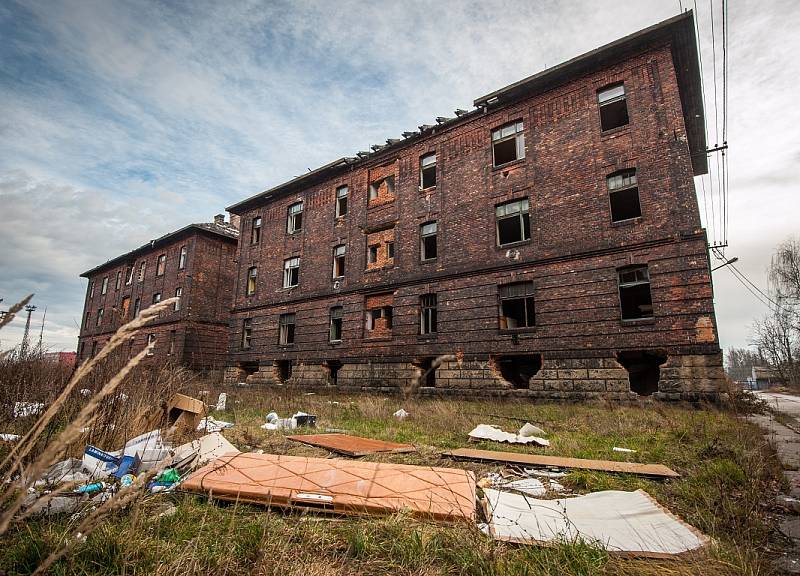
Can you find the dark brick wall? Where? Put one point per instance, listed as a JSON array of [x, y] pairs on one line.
[[571, 257], [201, 323]]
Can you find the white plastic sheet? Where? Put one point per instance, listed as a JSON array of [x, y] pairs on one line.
[[489, 432], [631, 523]]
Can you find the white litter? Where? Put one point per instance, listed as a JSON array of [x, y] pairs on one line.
[[529, 486], [24, 409], [618, 449], [623, 522], [9, 437], [210, 424], [543, 473], [489, 432], [85, 391], [401, 414], [222, 401], [150, 448], [529, 429], [202, 451]]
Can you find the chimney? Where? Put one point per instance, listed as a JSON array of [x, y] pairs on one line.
[[219, 219]]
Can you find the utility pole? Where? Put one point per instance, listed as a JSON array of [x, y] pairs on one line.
[[41, 332], [29, 309]]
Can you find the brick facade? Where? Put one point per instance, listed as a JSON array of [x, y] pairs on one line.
[[195, 335], [572, 341]]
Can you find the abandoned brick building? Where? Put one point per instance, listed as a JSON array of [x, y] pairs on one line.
[[548, 241], [194, 264]]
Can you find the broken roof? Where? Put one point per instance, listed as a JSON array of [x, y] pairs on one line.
[[679, 31], [226, 230]]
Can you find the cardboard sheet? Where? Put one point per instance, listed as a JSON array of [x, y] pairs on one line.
[[560, 462], [626, 523], [338, 486], [350, 445]]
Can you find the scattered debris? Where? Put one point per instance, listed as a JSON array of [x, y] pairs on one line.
[[85, 392], [540, 460], [338, 486], [544, 473], [628, 523], [201, 452], [351, 445], [489, 432], [210, 424], [299, 419], [25, 409], [221, 401], [9, 437], [184, 411], [529, 429], [168, 512], [618, 449], [401, 414]]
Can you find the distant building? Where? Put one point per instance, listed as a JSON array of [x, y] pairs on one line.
[[66, 358], [763, 377], [195, 264], [549, 239]]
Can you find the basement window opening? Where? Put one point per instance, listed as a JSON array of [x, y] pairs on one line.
[[517, 370], [427, 375], [284, 369], [427, 171], [286, 325], [508, 143], [249, 368], [644, 370], [613, 107], [634, 293], [333, 371], [513, 222], [623, 194], [517, 307]]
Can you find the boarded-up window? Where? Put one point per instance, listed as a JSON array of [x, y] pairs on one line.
[[517, 308], [379, 314]]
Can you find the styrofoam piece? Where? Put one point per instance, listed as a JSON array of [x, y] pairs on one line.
[[210, 424], [489, 432], [529, 429], [630, 523], [222, 401]]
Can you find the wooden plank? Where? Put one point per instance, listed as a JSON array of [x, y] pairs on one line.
[[338, 486], [351, 445], [561, 462]]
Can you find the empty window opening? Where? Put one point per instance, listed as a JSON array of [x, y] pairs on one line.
[[339, 260], [337, 314], [427, 375], [249, 368], [178, 294], [182, 258], [372, 253], [635, 299], [644, 370], [623, 192], [137, 307], [427, 314], [508, 143], [333, 371], [118, 282], [382, 188], [255, 231], [294, 222], [252, 280], [427, 245], [513, 222], [517, 308], [142, 268], [104, 285], [99, 317], [171, 349], [517, 370], [284, 369], [286, 329], [427, 171], [341, 201], [91, 289], [291, 272], [126, 305], [156, 297], [390, 251], [128, 275], [247, 333], [151, 344], [161, 265], [613, 107]]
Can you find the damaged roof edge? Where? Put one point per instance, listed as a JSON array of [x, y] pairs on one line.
[[210, 228], [679, 29]]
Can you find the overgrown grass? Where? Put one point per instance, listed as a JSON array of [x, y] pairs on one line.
[[727, 474]]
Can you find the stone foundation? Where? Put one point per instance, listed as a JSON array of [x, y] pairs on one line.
[[691, 377]]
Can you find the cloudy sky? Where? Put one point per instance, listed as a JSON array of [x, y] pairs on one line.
[[124, 120]]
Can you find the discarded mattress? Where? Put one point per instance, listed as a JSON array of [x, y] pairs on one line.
[[562, 462], [338, 486], [625, 523], [351, 445], [489, 432]]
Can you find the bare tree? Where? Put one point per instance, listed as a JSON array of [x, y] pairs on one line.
[[739, 362]]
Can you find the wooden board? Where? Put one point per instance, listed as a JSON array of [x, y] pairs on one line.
[[560, 462], [350, 445], [338, 486]]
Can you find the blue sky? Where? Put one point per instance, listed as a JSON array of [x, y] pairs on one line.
[[124, 120]]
